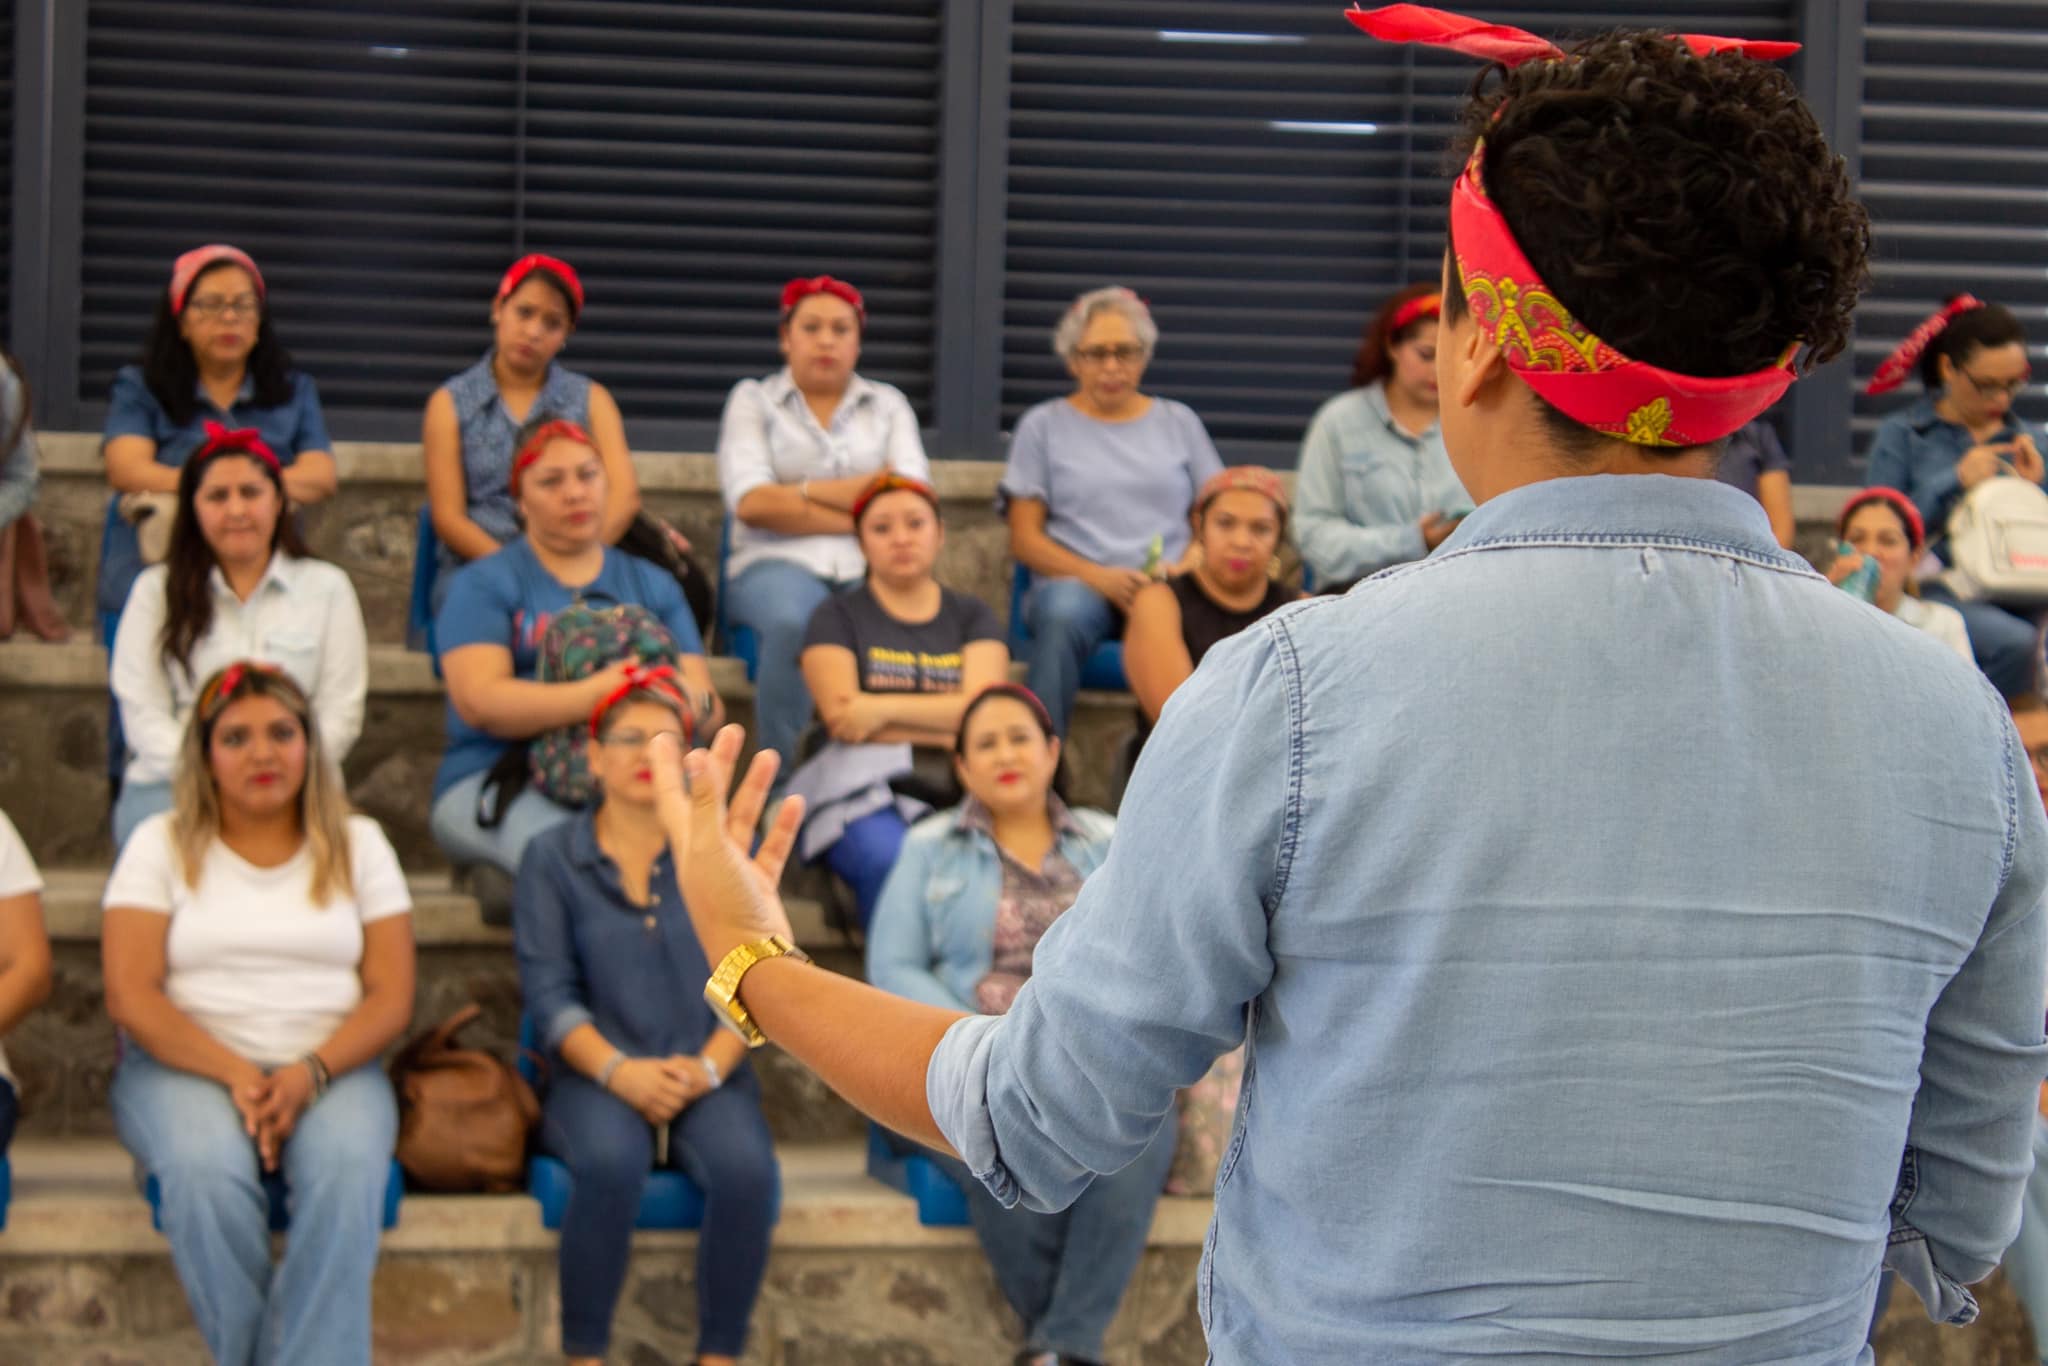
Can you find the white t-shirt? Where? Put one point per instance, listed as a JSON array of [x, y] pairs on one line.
[[18, 877], [250, 957], [1937, 619]]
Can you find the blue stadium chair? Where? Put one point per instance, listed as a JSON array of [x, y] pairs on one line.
[[669, 1200], [280, 1199], [1104, 670], [940, 1203], [738, 641], [426, 557]]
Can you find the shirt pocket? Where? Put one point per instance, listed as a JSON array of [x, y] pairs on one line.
[[1380, 487], [297, 652]]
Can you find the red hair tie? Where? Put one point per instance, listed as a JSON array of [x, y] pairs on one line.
[[1423, 306], [798, 290], [659, 678], [1892, 498], [560, 427], [888, 481], [527, 265], [1899, 364], [1510, 46], [222, 440]]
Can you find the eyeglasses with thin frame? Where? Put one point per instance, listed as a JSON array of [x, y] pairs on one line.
[[1102, 355], [214, 306], [1991, 388]]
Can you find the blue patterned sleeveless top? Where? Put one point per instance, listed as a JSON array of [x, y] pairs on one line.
[[488, 431]]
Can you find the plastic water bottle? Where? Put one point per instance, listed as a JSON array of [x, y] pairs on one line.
[[1861, 585]]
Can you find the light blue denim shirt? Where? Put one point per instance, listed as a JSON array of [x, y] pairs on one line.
[[933, 932], [1363, 486], [1612, 904]]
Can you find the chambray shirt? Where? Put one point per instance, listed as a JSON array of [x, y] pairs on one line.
[[1916, 452], [1601, 955], [1109, 488], [489, 431], [769, 435], [1364, 485], [290, 429]]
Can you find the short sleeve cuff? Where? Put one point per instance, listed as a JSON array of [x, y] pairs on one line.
[[956, 1088]]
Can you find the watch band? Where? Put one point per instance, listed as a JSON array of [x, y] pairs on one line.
[[723, 990]]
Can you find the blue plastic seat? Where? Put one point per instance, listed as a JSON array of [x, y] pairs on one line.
[[280, 1198], [738, 641], [1104, 669], [426, 564], [940, 1203], [669, 1200]]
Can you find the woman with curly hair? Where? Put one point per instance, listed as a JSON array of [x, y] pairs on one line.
[[1567, 1042]]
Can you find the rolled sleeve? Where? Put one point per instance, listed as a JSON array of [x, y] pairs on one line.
[[1145, 982], [550, 974], [1970, 1142], [743, 460], [310, 431], [131, 409]]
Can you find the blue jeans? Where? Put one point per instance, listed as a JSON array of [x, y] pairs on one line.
[[776, 598], [313, 1307], [10, 1111], [1068, 619], [453, 822], [863, 855], [136, 804], [1065, 1273], [722, 1144], [2007, 645]]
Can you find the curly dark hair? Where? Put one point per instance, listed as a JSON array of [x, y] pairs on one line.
[[173, 375], [1967, 333], [1372, 362], [1686, 209]]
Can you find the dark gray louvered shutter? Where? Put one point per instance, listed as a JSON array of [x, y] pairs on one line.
[[364, 153], [1955, 171], [6, 164], [1259, 170], [690, 158]]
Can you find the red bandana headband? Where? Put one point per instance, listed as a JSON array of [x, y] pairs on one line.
[[1892, 498], [555, 265], [1899, 364], [1251, 478], [888, 481], [1553, 353], [560, 427], [185, 270], [798, 290], [235, 441], [1422, 306], [660, 678]]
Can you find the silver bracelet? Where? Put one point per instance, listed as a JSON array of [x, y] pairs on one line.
[[611, 1065], [711, 1070]]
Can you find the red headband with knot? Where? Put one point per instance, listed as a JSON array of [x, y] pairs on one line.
[[1422, 306], [537, 443], [527, 265], [1891, 498], [1551, 351], [887, 481], [798, 290], [186, 269], [222, 440], [658, 678], [1899, 364]]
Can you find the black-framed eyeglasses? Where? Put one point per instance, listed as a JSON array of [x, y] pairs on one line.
[[213, 306], [1991, 388], [1102, 355]]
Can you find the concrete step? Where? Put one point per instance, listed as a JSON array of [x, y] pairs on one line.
[[471, 1280], [53, 725]]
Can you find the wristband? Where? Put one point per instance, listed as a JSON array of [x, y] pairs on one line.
[[611, 1065], [317, 1070], [711, 1070]]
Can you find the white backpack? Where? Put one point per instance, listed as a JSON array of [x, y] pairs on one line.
[[1998, 543]]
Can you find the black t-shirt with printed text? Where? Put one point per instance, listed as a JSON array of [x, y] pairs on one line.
[[903, 656]]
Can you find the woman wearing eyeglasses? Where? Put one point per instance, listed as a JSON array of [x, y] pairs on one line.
[[1097, 490], [1972, 361]]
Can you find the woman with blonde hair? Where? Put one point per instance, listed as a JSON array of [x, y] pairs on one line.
[[258, 956]]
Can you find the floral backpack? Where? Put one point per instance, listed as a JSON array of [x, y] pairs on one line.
[[582, 640]]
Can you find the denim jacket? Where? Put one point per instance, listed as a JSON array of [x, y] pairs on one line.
[[932, 936], [1915, 452], [1621, 918]]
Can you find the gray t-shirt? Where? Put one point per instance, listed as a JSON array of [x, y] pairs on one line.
[[1110, 487]]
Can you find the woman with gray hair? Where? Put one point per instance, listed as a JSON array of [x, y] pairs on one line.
[[1097, 490]]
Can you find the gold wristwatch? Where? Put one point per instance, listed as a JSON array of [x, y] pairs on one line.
[[723, 990]]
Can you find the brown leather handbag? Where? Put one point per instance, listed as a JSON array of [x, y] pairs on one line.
[[463, 1114]]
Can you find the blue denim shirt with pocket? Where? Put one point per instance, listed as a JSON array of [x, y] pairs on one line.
[[1915, 451], [933, 932], [1620, 916]]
